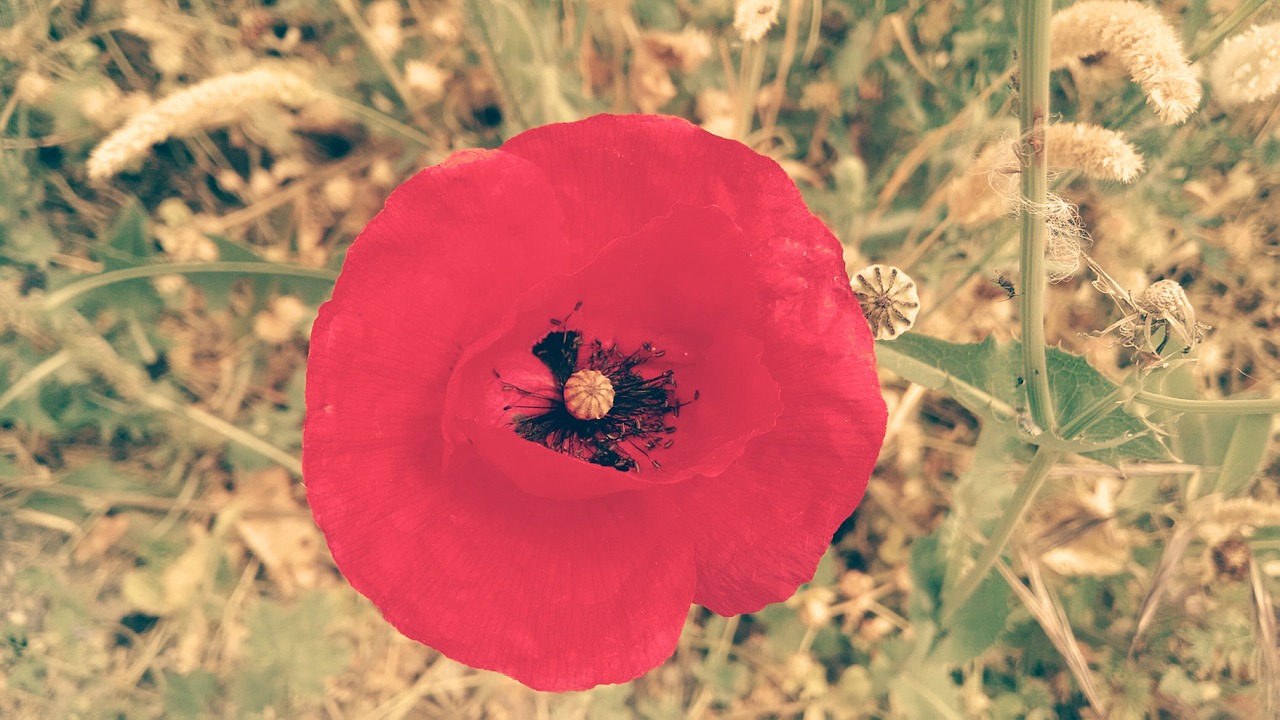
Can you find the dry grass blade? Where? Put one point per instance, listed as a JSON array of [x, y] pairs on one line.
[[1048, 612], [1173, 552], [1268, 650]]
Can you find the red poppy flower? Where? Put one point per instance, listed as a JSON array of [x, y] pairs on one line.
[[567, 387]]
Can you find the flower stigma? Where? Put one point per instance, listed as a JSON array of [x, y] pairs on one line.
[[600, 408], [588, 395]]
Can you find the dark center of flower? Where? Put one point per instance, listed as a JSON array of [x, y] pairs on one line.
[[600, 409]]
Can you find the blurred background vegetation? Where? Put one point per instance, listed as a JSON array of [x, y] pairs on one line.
[[157, 558]]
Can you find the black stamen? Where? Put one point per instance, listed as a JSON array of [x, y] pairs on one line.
[[640, 405], [559, 352]]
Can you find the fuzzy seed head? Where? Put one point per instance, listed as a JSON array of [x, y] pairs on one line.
[[588, 395], [1141, 40], [1247, 67], [215, 101], [753, 18]]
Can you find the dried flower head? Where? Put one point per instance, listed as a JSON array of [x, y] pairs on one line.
[[753, 18], [426, 80], [214, 101], [1162, 305], [1247, 67], [889, 300], [683, 51], [1097, 152], [1141, 39], [715, 109], [650, 81]]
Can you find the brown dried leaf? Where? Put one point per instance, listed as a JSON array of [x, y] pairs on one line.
[[288, 544], [104, 533]]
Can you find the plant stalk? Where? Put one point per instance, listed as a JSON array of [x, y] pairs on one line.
[[1033, 68], [1014, 512], [69, 292], [1034, 112]]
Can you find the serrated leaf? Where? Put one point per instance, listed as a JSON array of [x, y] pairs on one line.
[[986, 378]]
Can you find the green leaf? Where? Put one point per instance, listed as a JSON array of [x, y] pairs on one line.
[[1231, 449], [986, 378], [977, 624], [190, 695], [925, 691], [289, 654], [128, 241]]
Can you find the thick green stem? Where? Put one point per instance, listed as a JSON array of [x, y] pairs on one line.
[[1014, 512], [1034, 73], [1256, 406], [1034, 112]]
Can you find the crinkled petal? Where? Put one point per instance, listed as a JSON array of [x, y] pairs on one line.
[[615, 173], [559, 595], [427, 276], [793, 485], [681, 285], [776, 508]]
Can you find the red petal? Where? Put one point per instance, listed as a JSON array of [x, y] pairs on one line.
[[559, 595], [615, 173], [429, 273], [777, 507], [682, 284], [762, 525]]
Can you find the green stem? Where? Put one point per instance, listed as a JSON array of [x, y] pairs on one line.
[[1034, 112], [511, 111], [1261, 406], [386, 122], [1228, 27], [1033, 63], [63, 295], [212, 422], [34, 377], [1014, 512]]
